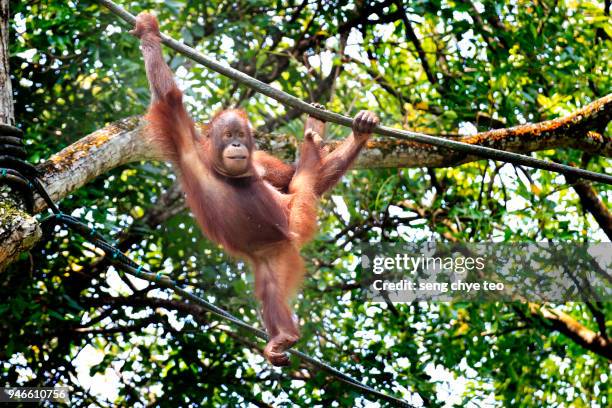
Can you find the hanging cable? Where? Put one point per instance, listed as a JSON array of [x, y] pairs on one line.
[[21, 175], [125, 264], [15, 171]]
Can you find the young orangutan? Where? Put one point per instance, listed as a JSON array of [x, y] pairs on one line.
[[257, 207]]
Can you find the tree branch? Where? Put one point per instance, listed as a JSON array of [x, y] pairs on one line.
[[121, 142], [592, 203], [580, 334], [412, 37]]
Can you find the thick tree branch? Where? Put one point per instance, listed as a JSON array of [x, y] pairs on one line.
[[114, 145], [18, 231], [70, 169], [120, 143], [564, 323]]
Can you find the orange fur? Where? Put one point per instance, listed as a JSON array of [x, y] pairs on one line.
[[263, 218]]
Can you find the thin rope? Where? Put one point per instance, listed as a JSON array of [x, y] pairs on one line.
[[290, 100], [130, 267], [29, 181], [125, 264]]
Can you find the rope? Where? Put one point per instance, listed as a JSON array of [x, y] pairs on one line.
[[292, 101], [127, 265], [15, 171]]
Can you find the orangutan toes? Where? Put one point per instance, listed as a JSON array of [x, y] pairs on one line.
[[275, 349]]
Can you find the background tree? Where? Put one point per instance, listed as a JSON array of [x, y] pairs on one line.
[[437, 67]]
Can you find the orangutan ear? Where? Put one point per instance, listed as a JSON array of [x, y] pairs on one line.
[[205, 129]]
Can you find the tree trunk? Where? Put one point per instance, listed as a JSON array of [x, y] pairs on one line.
[[18, 230], [7, 113]]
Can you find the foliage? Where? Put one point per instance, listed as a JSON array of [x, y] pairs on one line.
[[74, 69]]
